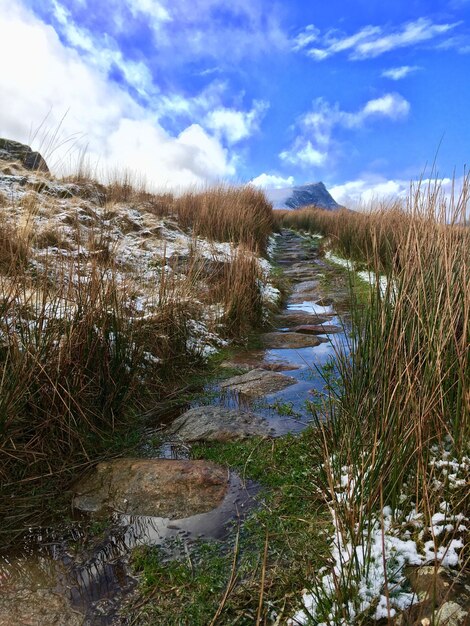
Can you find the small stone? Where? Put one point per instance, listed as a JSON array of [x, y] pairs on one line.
[[289, 341], [299, 318], [451, 614], [214, 423], [258, 383], [429, 583], [317, 329]]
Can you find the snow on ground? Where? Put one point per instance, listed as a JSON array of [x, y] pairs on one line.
[[370, 569], [367, 276], [69, 229]]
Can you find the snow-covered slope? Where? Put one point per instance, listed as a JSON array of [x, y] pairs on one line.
[[304, 195]]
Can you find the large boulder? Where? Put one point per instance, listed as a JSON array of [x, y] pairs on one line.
[[215, 423], [16, 151], [154, 487]]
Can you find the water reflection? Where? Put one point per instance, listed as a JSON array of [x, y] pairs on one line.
[[94, 576]]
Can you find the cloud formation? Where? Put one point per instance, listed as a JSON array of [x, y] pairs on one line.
[[235, 125], [313, 144], [369, 41], [272, 181], [397, 73], [118, 131], [369, 188]]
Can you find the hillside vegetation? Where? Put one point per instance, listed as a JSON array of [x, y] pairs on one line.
[[395, 448], [108, 295]]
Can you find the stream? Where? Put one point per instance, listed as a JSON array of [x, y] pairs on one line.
[[62, 576]]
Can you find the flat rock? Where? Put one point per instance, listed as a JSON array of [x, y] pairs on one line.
[[155, 487], [299, 318], [289, 341], [258, 382], [299, 272], [316, 329], [248, 360], [41, 607], [214, 423], [271, 366]]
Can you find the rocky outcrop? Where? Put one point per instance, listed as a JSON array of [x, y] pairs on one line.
[[215, 423], [15, 151], [311, 194], [155, 487]]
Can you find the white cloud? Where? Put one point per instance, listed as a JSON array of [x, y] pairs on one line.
[[306, 37], [368, 189], [47, 78], [202, 29], [236, 125], [392, 105], [303, 153], [152, 10], [313, 145], [369, 41], [272, 181], [363, 191], [410, 34], [397, 73], [103, 52]]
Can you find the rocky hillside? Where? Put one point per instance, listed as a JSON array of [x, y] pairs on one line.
[[304, 195], [108, 293], [68, 227]]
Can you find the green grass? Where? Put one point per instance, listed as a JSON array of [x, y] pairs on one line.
[[292, 519]]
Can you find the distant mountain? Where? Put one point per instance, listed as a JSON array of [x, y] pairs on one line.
[[304, 195]]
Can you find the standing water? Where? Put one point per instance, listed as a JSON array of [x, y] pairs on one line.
[[79, 574]]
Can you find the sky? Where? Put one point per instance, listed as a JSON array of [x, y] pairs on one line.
[[363, 95]]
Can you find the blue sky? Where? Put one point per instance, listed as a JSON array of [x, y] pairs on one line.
[[362, 95]]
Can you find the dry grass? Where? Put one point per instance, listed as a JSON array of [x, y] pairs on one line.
[[404, 393], [238, 214], [77, 360]]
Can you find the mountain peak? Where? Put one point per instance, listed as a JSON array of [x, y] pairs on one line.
[[302, 195]]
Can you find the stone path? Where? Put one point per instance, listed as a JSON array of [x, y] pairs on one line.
[[156, 498]]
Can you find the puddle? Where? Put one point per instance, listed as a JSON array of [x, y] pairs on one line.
[[310, 307], [92, 576]]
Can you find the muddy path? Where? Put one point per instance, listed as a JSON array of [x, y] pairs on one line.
[[79, 573]]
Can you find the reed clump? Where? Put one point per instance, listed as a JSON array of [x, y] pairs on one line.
[[403, 406], [107, 299]]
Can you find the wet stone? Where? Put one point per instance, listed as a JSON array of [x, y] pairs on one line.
[[290, 341], [255, 359], [317, 329], [153, 487], [213, 423], [258, 383], [298, 273], [299, 318]]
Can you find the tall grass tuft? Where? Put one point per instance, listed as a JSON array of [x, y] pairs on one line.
[[79, 361], [404, 398]]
